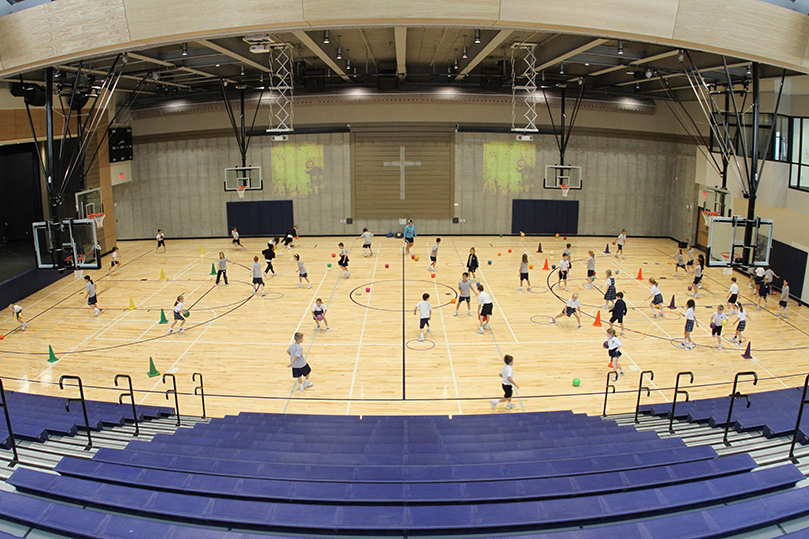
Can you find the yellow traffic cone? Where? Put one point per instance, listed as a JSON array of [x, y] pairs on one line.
[[131, 304], [201, 250], [162, 275]]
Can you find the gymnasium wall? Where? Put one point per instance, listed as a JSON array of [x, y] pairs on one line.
[[640, 185]]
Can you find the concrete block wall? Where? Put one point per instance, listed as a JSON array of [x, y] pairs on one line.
[[641, 185]]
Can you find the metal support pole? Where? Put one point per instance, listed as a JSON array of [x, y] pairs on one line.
[[753, 180], [607, 390], [50, 173], [736, 395], [563, 120], [640, 390], [677, 391], [243, 138], [83, 406], [727, 140], [131, 396], [173, 390]]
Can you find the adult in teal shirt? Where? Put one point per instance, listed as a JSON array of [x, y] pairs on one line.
[[409, 235]]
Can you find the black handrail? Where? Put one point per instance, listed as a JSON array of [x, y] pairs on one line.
[[736, 395], [641, 388], [804, 402], [677, 391], [83, 406], [131, 396], [607, 390], [4, 405], [201, 389], [174, 390]]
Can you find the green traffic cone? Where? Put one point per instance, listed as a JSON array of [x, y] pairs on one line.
[[213, 270], [163, 319], [51, 356], [152, 370]]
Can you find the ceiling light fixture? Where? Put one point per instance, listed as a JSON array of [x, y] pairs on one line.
[[348, 64], [648, 73], [185, 49], [561, 69], [477, 36], [465, 53], [587, 63], [339, 53], [637, 86], [455, 67], [242, 71], [621, 47], [749, 71], [326, 37], [681, 56]]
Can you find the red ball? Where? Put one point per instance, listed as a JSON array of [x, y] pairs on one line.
[[565, 237], [333, 255], [387, 266], [432, 275], [509, 250]]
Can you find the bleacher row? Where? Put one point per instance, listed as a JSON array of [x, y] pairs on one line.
[[549, 474], [35, 417], [775, 412]]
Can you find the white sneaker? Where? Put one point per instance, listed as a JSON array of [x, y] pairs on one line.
[[529, 288], [480, 331], [622, 334], [421, 338], [579, 326], [307, 383], [616, 256], [181, 330], [519, 289], [301, 387], [494, 404], [623, 257], [486, 325], [428, 330], [758, 307], [565, 289], [327, 329], [455, 313], [470, 313], [309, 285], [348, 275], [691, 346], [300, 285], [699, 285], [96, 312], [318, 326], [553, 320], [171, 331], [720, 346], [510, 406], [263, 294], [24, 326], [654, 316]]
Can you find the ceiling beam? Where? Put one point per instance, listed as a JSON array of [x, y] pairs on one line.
[[571, 53], [304, 38], [235, 55], [679, 74], [501, 36], [165, 63], [400, 37], [634, 62], [128, 77]]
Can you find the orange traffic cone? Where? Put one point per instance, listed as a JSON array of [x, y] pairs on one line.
[[609, 365], [597, 322], [640, 274], [546, 265]]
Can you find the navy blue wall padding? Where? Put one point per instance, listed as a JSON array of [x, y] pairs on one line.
[[260, 217], [790, 263], [25, 284], [545, 216]]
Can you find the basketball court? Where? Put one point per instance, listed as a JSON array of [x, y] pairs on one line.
[[370, 361]]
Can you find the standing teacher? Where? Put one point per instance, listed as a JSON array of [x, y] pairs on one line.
[[409, 235]]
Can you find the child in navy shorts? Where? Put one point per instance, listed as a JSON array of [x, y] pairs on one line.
[[424, 309]]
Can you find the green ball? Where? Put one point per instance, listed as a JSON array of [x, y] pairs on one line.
[[328, 265], [186, 314], [576, 382]]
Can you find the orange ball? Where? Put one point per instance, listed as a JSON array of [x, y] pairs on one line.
[[498, 254], [530, 266], [451, 301], [3, 336]]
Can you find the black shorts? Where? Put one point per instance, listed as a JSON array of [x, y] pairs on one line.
[[161, 242], [366, 246], [617, 318], [424, 322], [615, 353], [697, 279], [591, 273], [304, 275], [681, 266], [92, 300], [432, 259], [258, 280], [689, 325], [658, 299], [759, 280], [717, 330], [782, 303], [563, 275], [508, 390], [467, 299], [236, 241], [741, 326], [732, 299], [689, 263], [297, 372], [569, 310], [523, 276], [178, 316], [408, 240], [764, 290], [486, 309]]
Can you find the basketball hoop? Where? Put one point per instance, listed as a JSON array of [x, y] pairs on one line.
[[241, 190], [99, 219], [565, 189], [708, 216]]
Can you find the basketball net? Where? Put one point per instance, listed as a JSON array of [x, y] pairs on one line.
[[708, 216], [99, 219], [241, 191], [565, 189]]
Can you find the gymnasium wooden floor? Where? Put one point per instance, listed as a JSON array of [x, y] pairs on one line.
[[239, 341]]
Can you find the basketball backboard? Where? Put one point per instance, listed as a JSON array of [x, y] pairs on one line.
[[88, 203], [79, 244], [558, 175], [246, 177], [726, 247]]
